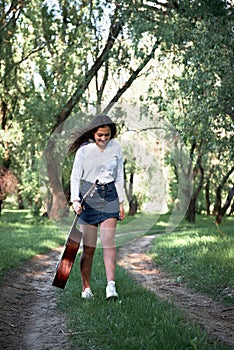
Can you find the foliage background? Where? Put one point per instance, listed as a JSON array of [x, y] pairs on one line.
[[174, 59]]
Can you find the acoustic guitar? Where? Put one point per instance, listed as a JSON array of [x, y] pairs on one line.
[[72, 244]]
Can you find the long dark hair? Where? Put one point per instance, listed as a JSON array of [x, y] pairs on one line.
[[87, 133]]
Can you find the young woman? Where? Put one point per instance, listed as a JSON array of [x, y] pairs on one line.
[[98, 159]]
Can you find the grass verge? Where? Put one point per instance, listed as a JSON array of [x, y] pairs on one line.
[[201, 256], [22, 237]]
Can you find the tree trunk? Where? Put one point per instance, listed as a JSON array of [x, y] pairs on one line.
[[222, 211], [8, 184], [58, 207], [132, 199], [133, 206], [207, 190], [218, 200], [20, 201], [231, 210], [207, 196], [191, 212]]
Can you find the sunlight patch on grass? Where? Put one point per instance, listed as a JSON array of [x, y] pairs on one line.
[[161, 223], [201, 258]]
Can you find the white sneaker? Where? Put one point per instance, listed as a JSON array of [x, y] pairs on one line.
[[87, 294], [111, 291]]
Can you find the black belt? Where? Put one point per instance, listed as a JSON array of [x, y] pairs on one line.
[[99, 184]]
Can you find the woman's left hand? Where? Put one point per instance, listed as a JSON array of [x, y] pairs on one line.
[[121, 211]]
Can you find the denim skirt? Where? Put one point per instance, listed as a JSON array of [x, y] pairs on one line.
[[102, 204]]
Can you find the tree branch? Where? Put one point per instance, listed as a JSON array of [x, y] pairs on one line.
[[39, 48], [115, 29], [13, 8], [129, 82]]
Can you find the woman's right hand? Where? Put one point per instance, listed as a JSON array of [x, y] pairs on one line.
[[121, 211], [77, 207]]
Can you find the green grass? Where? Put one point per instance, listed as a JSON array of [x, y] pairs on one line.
[[201, 256], [138, 320], [22, 237]]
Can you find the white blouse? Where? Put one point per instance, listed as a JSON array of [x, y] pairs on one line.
[[93, 164]]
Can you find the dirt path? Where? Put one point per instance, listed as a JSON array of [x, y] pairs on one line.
[[29, 318]]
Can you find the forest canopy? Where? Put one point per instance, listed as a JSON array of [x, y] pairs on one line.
[[173, 59]]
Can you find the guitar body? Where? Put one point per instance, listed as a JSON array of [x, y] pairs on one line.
[[67, 257], [70, 250]]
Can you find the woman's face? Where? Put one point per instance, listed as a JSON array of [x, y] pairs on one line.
[[102, 136]]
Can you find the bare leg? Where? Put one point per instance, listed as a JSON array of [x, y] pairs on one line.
[[89, 246], [107, 234]]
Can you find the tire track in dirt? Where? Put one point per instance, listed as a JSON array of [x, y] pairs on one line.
[[215, 318]]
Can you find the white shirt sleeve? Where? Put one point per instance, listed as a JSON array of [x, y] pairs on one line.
[[76, 174]]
